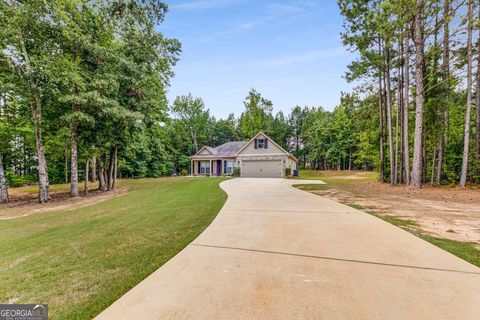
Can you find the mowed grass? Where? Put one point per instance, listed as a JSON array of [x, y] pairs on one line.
[[333, 178], [338, 177], [81, 261]]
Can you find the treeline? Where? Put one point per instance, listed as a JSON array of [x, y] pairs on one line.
[[82, 96], [80, 81], [419, 61]]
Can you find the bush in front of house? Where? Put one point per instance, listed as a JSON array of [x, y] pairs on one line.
[[288, 172], [183, 172], [236, 172]]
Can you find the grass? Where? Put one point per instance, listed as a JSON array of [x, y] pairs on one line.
[[81, 261], [464, 250], [338, 177]]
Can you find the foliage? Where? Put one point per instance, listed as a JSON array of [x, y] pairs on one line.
[[236, 172], [288, 172]]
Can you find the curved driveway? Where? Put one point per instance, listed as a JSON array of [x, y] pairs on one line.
[[276, 252]]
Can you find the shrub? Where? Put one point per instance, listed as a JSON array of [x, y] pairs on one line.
[[14, 180], [183, 172], [288, 172], [236, 172]]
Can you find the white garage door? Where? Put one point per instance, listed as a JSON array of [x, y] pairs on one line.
[[262, 168]]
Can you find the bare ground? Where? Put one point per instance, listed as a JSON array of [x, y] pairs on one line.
[[23, 201], [445, 212]]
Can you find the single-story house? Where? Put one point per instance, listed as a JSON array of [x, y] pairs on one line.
[[259, 157]]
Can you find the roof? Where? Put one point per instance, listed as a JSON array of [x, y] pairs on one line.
[[228, 149], [269, 139], [233, 148]]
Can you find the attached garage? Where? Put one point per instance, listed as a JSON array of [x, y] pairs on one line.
[[262, 168], [261, 157]]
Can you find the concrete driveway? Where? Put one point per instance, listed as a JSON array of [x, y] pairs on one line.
[[275, 252]]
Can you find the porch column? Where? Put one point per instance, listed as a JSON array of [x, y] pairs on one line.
[[221, 167], [210, 173], [191, 167]]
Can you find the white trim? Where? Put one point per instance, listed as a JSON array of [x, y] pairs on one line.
[[270, 140], [198, 153]]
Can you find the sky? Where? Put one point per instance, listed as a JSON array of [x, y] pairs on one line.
[[289, 51]]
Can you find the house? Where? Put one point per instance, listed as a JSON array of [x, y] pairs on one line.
[[259, 157]]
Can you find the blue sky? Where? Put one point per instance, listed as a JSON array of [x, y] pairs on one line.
[[289, 51]]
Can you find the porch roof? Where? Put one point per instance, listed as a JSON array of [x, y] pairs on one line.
[[226, 150]]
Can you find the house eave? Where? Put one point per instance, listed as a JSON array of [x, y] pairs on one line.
[[211, 157]]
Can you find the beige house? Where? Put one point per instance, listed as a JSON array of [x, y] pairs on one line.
[[259, 157]]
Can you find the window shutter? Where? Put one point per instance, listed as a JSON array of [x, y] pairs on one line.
[[266, 143], [255, 142], [198, 166], [224, 166]]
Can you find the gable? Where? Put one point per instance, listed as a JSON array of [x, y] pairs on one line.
[[204, 152], [272, 147]]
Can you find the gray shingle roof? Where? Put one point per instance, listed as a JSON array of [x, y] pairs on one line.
[[228, 149]]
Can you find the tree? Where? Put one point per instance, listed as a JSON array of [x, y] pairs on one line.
[[257, 115], [193, 117], [31, 42], [416, 176], [446, 85], [281, 130], [466, 139], [406, 105]]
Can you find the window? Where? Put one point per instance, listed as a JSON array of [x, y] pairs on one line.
[[229, 164], [204, 167], [261, 143]]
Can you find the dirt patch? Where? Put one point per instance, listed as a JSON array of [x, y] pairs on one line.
[[449, 213], [24, 202]]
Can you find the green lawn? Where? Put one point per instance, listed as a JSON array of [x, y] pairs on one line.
[[81, 261], [337, 177]]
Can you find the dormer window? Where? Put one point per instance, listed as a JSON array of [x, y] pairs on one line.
[[261, 143]]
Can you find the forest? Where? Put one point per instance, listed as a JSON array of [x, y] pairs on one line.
[[83, 97]]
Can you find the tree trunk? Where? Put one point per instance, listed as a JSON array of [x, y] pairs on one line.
[[406, 98], [477, 118], [4, 197], [432, 178], [194, 140], [446, 81], [110, 169], [94, 169], [101, 175], [388, 90], [466, 137], [350, 158], [74, 163], [114, 179], [416, 178], [380, 107], [397, 114], [66, 165], [43, 195], [85, 188]]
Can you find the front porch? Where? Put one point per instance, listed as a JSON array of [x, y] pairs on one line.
[[212, 166]]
